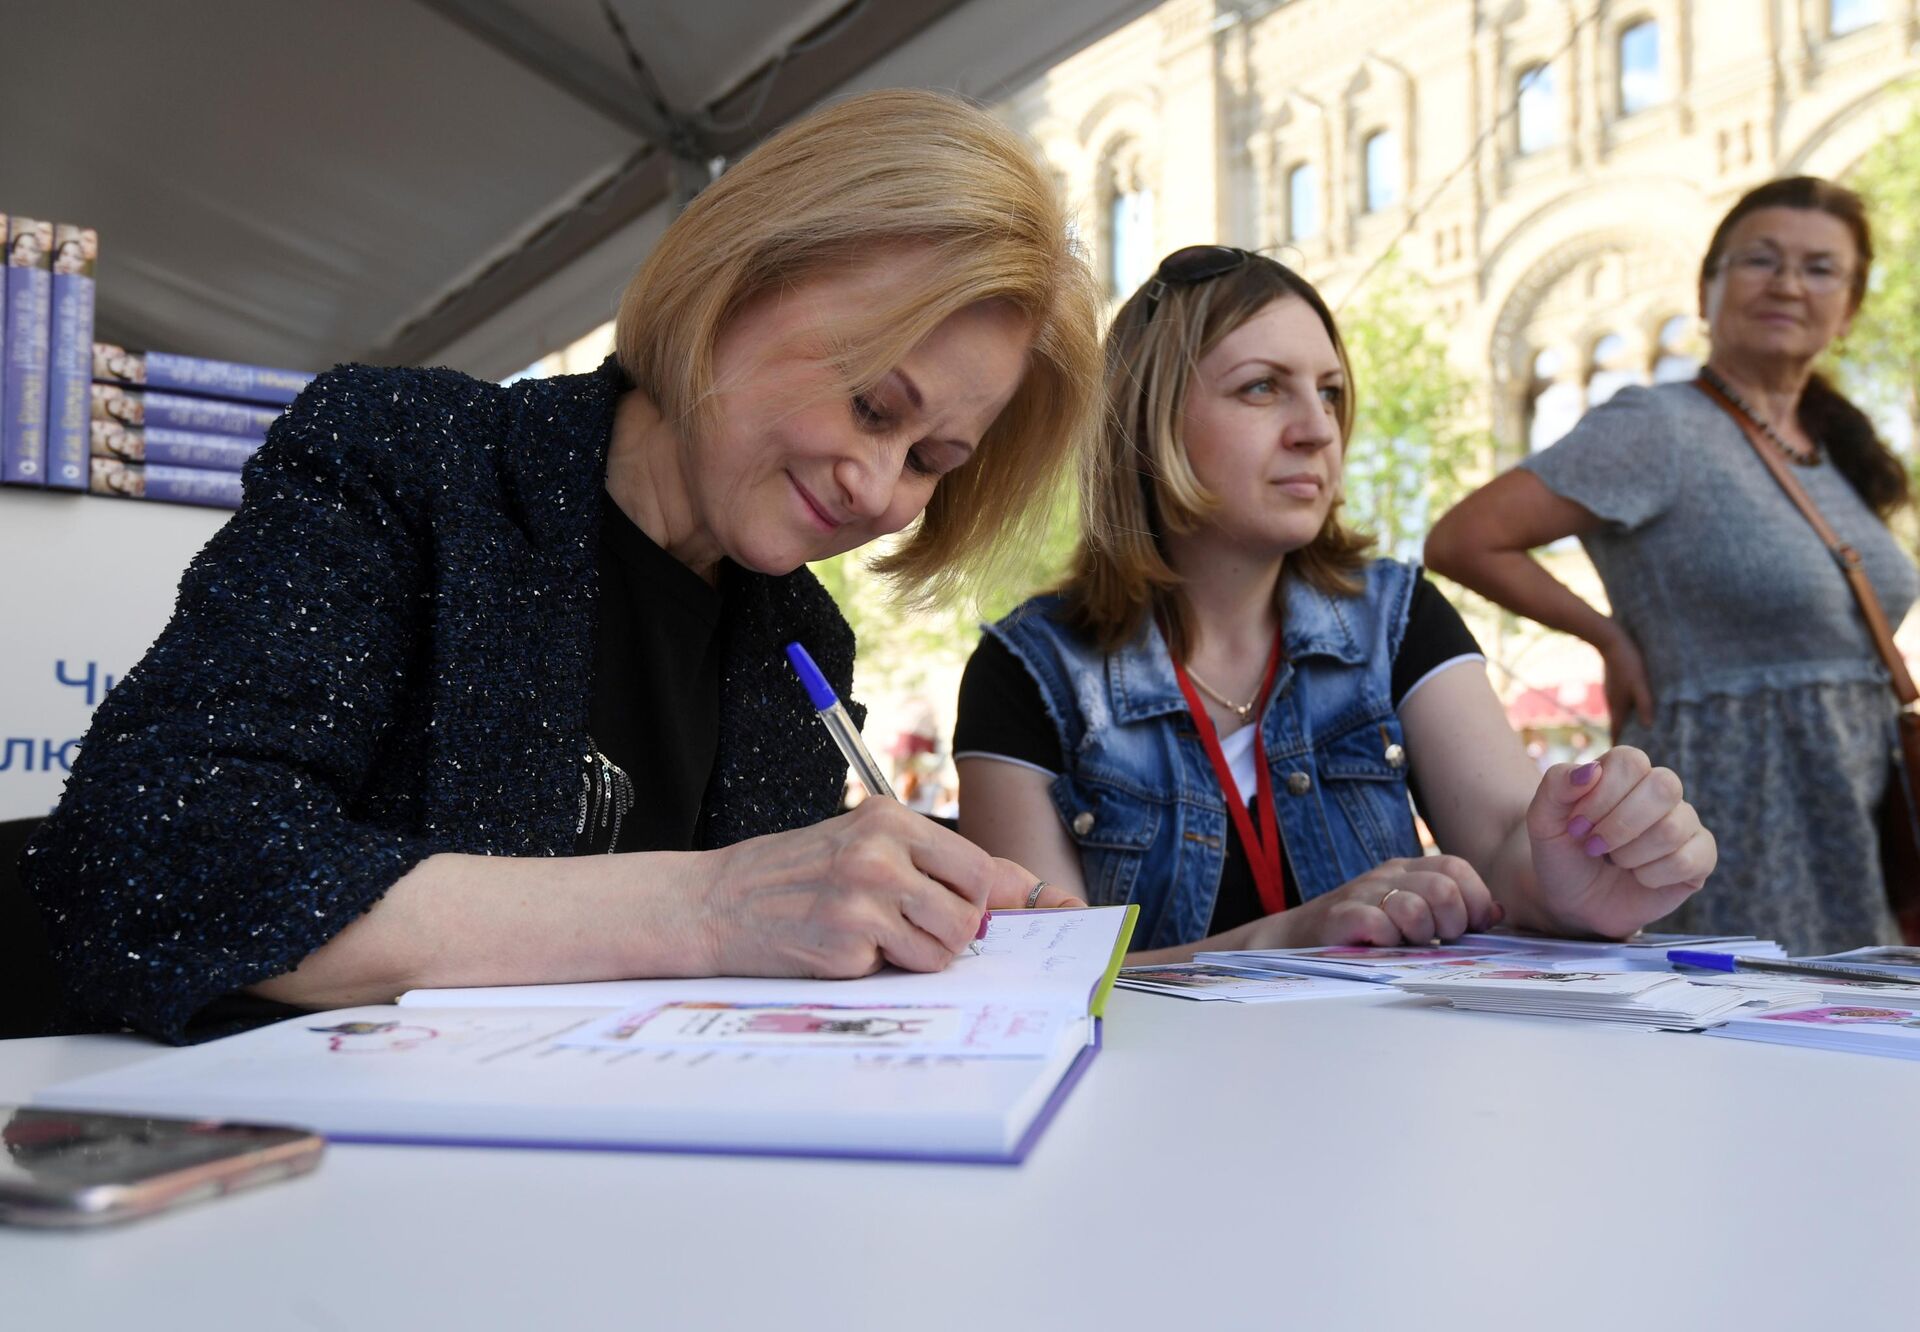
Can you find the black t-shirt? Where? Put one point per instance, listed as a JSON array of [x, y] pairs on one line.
[[1002, 714], [655, 705]]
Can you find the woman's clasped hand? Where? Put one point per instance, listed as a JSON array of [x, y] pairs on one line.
[[1612, 840], [1406, 900], [1615, 843]]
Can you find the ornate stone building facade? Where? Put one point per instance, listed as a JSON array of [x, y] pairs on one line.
[[1552, 168]]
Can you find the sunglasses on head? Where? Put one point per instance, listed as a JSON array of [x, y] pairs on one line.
[[1191, 264]]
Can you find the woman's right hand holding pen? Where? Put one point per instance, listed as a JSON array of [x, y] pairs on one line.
[[880, 884]]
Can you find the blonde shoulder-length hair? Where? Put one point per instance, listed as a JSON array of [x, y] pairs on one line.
[[1136, 482], [922, 171]]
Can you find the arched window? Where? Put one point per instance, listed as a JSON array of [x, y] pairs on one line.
[[1641, 82], [1381, 155], [1845, 16], [1538, 109], [1129, 227], [1132, 231], [1612, 369], [1676, 363], [1303, 202], [1556, 404]]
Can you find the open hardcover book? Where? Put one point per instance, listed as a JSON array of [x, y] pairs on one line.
[[966, 1064]]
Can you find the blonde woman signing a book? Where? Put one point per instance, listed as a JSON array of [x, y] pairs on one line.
[[485, 685], [1222, 713]]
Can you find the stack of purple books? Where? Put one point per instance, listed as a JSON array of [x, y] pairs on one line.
[[81, 415], [46, 327], [179, 428]]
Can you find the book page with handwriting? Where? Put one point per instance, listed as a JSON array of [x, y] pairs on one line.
[[1055, 957]]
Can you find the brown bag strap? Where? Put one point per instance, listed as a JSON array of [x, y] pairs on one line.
[[1843, 555]]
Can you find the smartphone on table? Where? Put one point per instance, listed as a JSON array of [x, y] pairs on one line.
[[77, 1168]]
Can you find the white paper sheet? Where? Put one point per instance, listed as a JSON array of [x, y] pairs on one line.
[[1051, 957]]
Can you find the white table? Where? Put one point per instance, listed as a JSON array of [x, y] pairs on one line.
[[1365, 1162]]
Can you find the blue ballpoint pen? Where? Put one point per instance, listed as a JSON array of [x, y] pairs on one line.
[[846, 735], [839, 725], [1688, 957]]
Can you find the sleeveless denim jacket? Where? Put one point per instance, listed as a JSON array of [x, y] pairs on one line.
[[1141, 800]]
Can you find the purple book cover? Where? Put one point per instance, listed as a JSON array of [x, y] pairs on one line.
[[174, 448], [172, 411], [23, 432], [70, 371], [170, 485], [191, 374], [3, 326]]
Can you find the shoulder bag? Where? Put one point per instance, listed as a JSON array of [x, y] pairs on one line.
[[1899, 822]]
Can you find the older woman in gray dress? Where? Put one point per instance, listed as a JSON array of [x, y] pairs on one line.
[[1734, 652]]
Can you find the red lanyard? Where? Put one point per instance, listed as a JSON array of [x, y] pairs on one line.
[[1263, 848]]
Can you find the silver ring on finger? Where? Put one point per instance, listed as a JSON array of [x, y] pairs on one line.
[[1388, 896], [1033, 898]]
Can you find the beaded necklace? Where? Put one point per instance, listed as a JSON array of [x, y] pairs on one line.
[[1765, 427]]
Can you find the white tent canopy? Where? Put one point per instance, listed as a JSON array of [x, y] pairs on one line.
[[461, 182]]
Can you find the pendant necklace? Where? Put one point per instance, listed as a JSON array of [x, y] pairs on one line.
[[1244, 711]]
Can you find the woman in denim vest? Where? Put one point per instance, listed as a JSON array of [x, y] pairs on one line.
[[1222, 632]]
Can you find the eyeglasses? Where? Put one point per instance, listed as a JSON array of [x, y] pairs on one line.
[[1819, 275], [1191, 264]]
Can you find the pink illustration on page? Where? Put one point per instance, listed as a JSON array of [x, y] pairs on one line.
[[1838, 1016], [708, 1023], [374, 1037]]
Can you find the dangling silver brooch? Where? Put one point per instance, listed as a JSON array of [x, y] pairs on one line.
[[606, 797]]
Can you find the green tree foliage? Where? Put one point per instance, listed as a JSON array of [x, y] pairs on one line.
[[1418, 446], [900, 647], [1879, 361], [1418, 443]]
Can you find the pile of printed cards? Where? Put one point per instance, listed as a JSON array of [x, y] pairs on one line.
[[1240, 985], [1629, 983], [1358, 962], [1860, 1028], [1385, 966], [1634, 998], [1831, 989]]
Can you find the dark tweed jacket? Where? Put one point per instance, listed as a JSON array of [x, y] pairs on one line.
[[386, 653]]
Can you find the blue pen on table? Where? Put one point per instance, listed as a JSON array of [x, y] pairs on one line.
[[1687, 957], [833, 714]]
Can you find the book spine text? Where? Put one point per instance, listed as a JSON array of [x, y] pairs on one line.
[[169, 485], [196, 375], [173, 411], [23, 432], [174, 448], [70, 370]]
